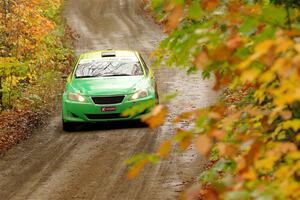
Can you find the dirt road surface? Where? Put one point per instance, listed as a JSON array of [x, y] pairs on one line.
[[89, 164]]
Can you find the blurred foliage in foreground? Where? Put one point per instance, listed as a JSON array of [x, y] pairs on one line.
[[252, 135], [33, 52]]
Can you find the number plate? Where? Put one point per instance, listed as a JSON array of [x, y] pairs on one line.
[[108, 109]]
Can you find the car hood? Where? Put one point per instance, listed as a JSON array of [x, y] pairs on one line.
[[107, 85]]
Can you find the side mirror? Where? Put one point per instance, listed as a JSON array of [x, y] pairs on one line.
[[64, 76]]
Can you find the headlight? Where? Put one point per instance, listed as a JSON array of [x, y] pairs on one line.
[[76, 97], [139, 94]]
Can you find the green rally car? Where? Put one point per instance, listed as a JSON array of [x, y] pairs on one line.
[[103, 84]]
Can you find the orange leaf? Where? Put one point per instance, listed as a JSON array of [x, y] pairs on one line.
[[228, 150], [234, 42], [135, 169], [182, 116], [214, 115], [221, 52], [234, 6], [186, 141], [260, 28], [210, 193], [252, 154], [201, 60], [210, 4], [164, 148], [217, 85], [255, 9], [218, 134], [156, 117], [192, 193], [292, 33], [174, 18], [287, 147], [204, 144], [286, 114]]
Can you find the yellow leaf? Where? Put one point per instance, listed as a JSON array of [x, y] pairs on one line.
[[291, 124], [264, 47], [291, 189], [266, 164], [268, 76], [283, 100], [246, 63], [283, 44], [250, 75], [250, 174], [282, 172], [260, 49], [294, 155], [297, 47]]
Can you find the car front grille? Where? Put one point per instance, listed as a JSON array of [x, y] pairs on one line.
[[104, 116], [108, 99]]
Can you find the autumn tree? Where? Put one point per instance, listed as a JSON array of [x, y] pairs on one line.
[[32, 44], [251, 136]]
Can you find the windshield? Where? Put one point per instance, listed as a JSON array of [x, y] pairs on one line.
[[103, 67]]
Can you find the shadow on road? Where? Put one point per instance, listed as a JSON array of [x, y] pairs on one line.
[[103, 126]]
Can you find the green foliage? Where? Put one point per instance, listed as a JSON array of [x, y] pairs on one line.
[[253, 132]]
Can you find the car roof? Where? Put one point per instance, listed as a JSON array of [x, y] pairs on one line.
[[117, 53]]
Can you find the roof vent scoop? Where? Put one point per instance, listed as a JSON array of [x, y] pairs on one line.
[[108, 54]]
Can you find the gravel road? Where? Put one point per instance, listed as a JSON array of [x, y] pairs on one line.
[[89, 164]]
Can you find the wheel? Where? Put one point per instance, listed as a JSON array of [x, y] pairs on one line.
[[68, 127], [157, 98], [156, 95]]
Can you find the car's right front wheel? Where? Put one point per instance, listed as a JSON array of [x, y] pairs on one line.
[[68, 127]]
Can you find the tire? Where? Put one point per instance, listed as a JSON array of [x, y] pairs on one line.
[[157, 98], [156, 95], [68, 127]]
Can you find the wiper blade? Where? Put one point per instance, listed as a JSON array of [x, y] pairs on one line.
[[85, 76], [103, 75], [116, 75]]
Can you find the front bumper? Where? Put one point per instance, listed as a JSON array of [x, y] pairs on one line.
[[90, 112]]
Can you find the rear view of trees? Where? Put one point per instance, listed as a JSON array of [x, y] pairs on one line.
[[32, 51]]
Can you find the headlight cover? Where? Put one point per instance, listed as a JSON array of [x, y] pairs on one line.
[[139, 94], [76, 97]]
